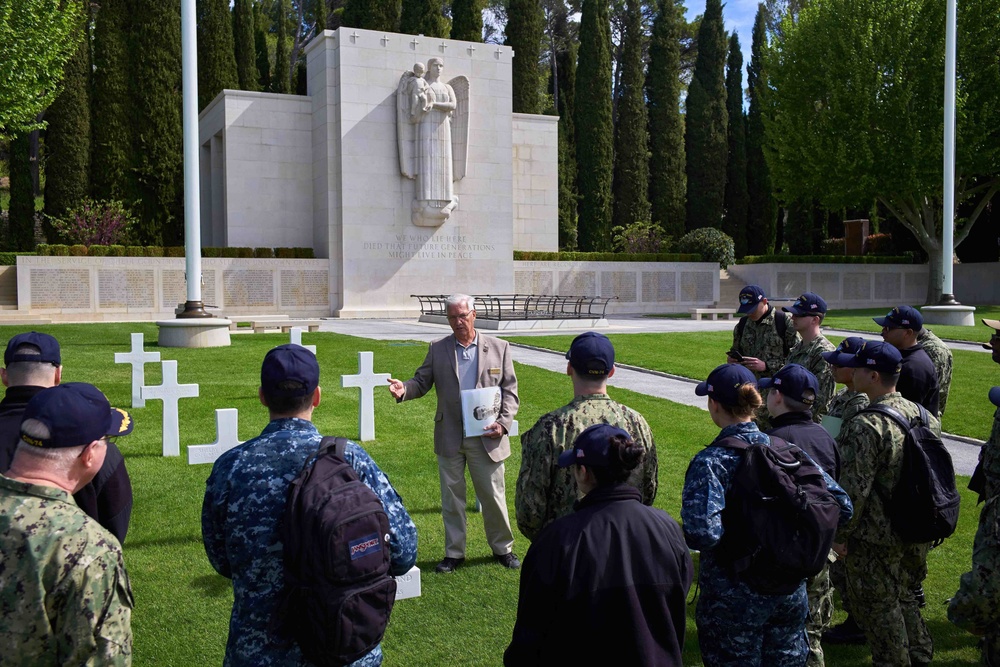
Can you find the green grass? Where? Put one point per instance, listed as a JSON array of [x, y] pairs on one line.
[[861, 320], [182, 607]]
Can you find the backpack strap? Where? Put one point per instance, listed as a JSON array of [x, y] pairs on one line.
[[733, 442], [781, 326], [338, 445], [894, 414]]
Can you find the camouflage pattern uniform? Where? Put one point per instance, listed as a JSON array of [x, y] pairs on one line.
[[882, 570], [760, 339], [941, 357], [736, 625], [976, 605], [244, 501], [65, 597], [545, 491], [810, 355]]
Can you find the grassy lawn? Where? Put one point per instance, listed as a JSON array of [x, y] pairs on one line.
[[861, 320], [182, 606], [695, 354]]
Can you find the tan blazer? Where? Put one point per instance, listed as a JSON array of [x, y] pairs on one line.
[[440, 370]]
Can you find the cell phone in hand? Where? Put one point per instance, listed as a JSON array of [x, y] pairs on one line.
[[735, 355]]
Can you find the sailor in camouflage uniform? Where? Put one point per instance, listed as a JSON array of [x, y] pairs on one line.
[[546, 491], [245, 500], [942, 358], [737, 627], [65, 597], [808, 312], [883, 572], [976, 605]]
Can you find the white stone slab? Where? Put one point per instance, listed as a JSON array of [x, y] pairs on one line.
[[170, 392], [227, 437], [367, 380], [408, 585], [138, 357], [296, 333]]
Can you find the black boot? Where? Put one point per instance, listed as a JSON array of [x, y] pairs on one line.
[[847, 632]]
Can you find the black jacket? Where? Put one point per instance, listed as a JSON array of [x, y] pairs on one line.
[[605, 585], [799, 429], [107, 498], [918, 381]]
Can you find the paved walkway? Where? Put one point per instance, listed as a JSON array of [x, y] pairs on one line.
[[964, 451]]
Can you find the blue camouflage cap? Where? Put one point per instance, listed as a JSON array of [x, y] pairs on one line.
[[901, 317], [591, 448], [750, 296], [876, 355], [723, 384], [289, 363], [792, 380], [844, 352], [76, 413], [809, 303]]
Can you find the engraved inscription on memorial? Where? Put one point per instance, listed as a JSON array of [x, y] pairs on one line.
[[577, 283], [791, 284], [60, 288], [125, 288], [175, 290], [305, 288], [248, 287], [696, 287], [915, 287], [621, 284], [659, 286], [857, 287], [826, 284], [533, 282], [427, 246], [888, 286]]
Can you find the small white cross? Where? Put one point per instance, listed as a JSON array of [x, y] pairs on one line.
[[367, 380], [226, 438], [138, 357], [296, 333], [385, 40], [354, 36], [471, 49], [498, 52], [443, 46], [170, 393], [414, 43]]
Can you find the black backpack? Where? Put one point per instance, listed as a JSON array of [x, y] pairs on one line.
[[780, 518], [338, 593], [780, 325], [925, 501]]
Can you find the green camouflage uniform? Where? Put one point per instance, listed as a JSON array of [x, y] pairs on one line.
[[810, 355], [64, 595], [545, 491], [941, 357], [882, 570], [760, 339], [976, 605]]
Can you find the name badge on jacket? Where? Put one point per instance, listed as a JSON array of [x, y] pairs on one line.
[[495, 371]]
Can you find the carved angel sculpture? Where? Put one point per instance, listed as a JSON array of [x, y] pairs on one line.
[[432, 119]]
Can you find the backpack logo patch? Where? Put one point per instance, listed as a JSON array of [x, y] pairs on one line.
[[364, 546]]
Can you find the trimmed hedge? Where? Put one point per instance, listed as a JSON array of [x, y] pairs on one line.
[[827, 259], [10, 258], [538, 256], [63, 250]]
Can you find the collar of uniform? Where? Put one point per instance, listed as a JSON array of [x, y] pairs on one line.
[[885, 397], [591, 397], [39, 490], [608, 494], [792, 418], [290, 424], [748, 429], [19, 396], [475, 342]]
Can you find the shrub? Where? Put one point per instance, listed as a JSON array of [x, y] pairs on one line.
[[10, 258], [572, 256], [641, 236], [284, 253], [43, 249], [135, 251], [211, 252], [304, 253], [833, 246], [152, 251], [907, 258], [878, 244], [116, 250], [59, 250], [711, 244], [173, 251], [97, 251], [95, 222], [244, 253], [77, 250], [263, 253]]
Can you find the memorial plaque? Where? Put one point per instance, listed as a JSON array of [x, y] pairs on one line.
[[826, 284], [248, 288], [125, 288], [60, 288], [888, 287], [791, 284], [659, 287], [174, 288], [577, 283], [533, 282], [305, 288], [621, 284], [915, 287], [697, 287], [857, 287]]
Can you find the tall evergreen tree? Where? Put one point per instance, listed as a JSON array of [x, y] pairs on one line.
[[21, 211], [423, 17], [372, 14], [631, 177], [216, 50], [525, 27], [762, 224], [243, 45], [320, 10], [666, 125], [594, 130], [467, 20], [565, 93], [260, 22], [280, 80], [67, 138], [156, 90], [737, 201], [111, 139], [705, 141]]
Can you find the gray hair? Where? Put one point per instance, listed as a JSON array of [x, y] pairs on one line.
[[30, 373], [59, 459], [460, 300]]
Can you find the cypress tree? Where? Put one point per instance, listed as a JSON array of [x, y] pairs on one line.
[[21, 211], [666, 126], [422, 17], [260, 49], [243, 45], [525, 27], [111, 102], [762, 225], [216, 50], [631, 177], [594, 131], [320, 10], [705, 141], [158, 131], [467, 20], [282, 66], [67, 138], [565, 83], [372, 14], [737, 201]]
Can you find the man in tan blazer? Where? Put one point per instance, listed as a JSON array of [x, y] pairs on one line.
[[468, 360]]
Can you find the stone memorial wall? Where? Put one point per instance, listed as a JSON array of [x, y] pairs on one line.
[[840, 285]]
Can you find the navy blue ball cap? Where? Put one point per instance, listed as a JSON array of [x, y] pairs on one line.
[[76, 413], [792, 380], [591, 354], [591, 448], [995, 396], [876, 355], [750, 296], [723, 384], [47, 345], [901, 317], [809, 303], [289, 363], [844, 352]]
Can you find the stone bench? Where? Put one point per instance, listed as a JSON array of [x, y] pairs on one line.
[[286, 325], [713, 313], [236, 320]]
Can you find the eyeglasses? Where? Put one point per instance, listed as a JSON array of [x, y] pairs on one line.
[[461, 316]]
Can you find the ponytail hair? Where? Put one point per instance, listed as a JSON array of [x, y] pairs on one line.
[[748, 402], [624, 456]]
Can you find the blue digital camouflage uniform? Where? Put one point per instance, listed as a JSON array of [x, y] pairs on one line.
[[65, 597], [738, 627], [244, 500]]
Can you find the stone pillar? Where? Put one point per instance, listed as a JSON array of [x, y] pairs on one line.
[[856, 233]]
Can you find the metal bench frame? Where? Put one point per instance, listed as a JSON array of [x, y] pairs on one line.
[[502, 307]]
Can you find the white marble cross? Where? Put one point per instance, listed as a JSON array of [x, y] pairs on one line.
[[385, 40], [226, 438], [296, 333], [471, 49], [138, 357], [414, 43], [367, 380], [170, 393]]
